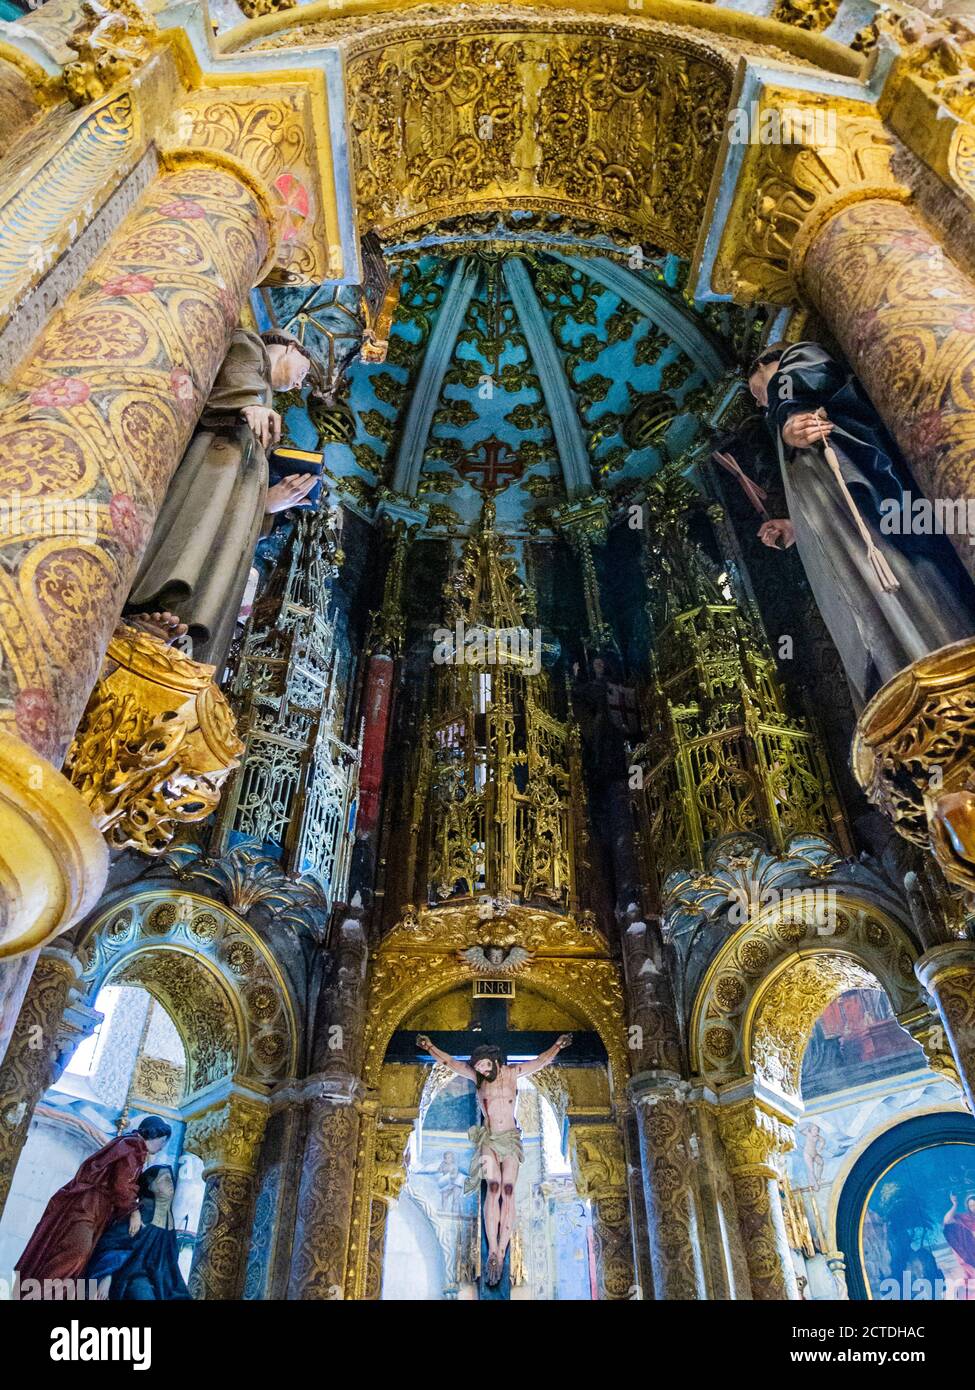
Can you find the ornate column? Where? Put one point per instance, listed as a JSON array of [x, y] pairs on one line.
[[388, 1177], [385, 645], [227, 1136], [99, 416], [826, 221], [584, 524], [320, 1254], [599, 1170], [903, 314], [672, 1199], [325, 1192], [755, 1138], [947, 972], [726, 1262], [33, 1057]]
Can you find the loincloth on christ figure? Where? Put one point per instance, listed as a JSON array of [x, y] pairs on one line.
[[505, 1143]]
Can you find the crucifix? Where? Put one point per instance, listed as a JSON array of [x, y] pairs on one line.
[[481, 1054]]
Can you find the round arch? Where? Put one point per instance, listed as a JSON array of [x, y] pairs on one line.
[[211, 972], [427, 956], [762, 994]]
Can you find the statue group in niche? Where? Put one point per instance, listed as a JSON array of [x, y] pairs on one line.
[[498, 1150], [887, 598], [111, 1227]]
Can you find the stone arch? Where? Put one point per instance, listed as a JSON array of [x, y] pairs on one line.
[[762, 994], [423, 958], [211, 972]]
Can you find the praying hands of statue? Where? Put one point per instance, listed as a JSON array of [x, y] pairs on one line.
[[265, 422], [290, 492]]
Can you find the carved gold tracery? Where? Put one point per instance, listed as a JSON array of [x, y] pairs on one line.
[[770, 982], [496, 114], [211, 972]]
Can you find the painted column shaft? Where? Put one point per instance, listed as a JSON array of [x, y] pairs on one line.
[[904, 315]]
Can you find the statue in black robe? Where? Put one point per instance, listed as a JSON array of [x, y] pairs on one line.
[[144, 1266], [887, 598]]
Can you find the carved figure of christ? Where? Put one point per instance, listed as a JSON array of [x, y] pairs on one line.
[[498, 1151]]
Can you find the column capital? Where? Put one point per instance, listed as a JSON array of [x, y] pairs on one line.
[[389, 1161], [227, 1135], [949, 958], [756, 1136], [824, 154], [598, 1160], [913, 757], [648, 1088]]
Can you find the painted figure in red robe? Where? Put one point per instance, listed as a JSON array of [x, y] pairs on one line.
[[959, 1227], [105, 1188]]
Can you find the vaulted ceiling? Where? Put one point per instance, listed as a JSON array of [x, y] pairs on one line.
[[566, 365]]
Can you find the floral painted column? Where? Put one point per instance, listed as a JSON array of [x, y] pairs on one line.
[[904, 315], [31, 1063], [97, 421]]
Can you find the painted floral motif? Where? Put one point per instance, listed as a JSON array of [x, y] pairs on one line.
[[126, 523], [61, 392], [183, 208], [129, 284], [34, 713]]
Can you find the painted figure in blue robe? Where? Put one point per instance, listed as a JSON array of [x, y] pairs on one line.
[[889, 595], [144, 1266]]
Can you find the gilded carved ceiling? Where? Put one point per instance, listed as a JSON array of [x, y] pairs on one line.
[[622, 130]]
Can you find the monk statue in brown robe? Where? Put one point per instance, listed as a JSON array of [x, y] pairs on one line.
[[195, 568], [104, 1189]]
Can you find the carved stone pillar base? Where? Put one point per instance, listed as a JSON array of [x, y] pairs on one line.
[[754, 1139], [672, 1199], [948, 974], [53, 862], [29, 1066], [914, 756]]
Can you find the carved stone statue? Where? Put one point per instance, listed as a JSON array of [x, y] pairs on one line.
[[498, 1151]]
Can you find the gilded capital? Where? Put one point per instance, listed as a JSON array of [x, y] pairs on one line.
[[754, 1136], [228, 1135], [598, 1160], [913, 756], [826, 155], [155, 744], [389, 1165]]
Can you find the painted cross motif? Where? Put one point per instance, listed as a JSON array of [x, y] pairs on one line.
[[490, 467]]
